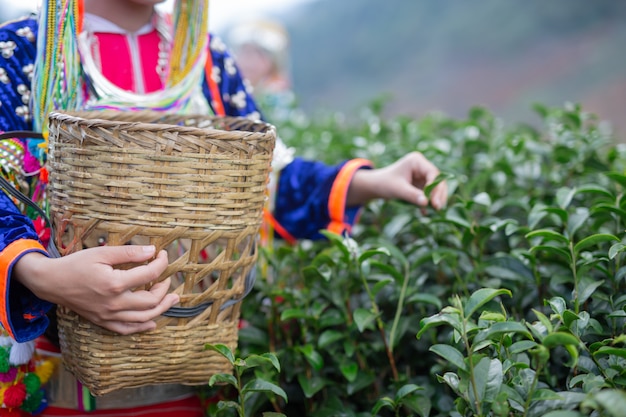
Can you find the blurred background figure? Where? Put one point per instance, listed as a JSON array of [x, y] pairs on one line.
[[261, 49], [12, 9]]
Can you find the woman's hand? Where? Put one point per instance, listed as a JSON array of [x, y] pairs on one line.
[[405, 179], [87, 283]]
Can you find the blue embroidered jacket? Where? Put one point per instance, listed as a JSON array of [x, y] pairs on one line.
[[310, 196]]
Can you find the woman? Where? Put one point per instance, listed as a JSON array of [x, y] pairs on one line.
[[124, 54]]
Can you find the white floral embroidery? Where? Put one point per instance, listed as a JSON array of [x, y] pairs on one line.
[[229, 66], [23, 90], [216, 74], [26, 32], [248, 86], [29, 70], [239, 99], [24, 112], [4, 78], [7, 48], [217, 44]]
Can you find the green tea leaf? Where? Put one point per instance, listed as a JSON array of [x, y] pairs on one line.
[[313, 356], [497, 330], [616, 249], [594, 240], [382, 403], [553, 250], [450, 354], [222, 350], [453, 320], [576, 220], [425, 298], [610, 350], [548, 235], [363, 319], [559, 339], [488, 376], [564, 196], [373, 252], [349, 370], [613, 401], [260, 385], [328, 337], [482, 297], [223, 379], [522, 346], [407, 390], [310, 385], [293, 313]]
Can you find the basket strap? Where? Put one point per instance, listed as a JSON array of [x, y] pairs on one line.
[[184, 312], [21, 134], [10, 189]]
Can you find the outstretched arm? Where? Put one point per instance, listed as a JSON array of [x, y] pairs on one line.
[[405, 179]]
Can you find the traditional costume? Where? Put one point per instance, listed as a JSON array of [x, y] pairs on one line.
[[104, 66]]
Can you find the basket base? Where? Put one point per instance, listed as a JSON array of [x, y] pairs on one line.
[[104, 361]]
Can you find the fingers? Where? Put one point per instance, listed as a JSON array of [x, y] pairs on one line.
[[109, 296], [126, 253], [142, 274], [439, 196], [134, 311], [423, 173]]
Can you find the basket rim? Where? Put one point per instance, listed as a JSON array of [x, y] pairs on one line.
[[78, 117]]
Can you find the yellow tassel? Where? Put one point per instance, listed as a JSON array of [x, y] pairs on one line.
[[44, 370]]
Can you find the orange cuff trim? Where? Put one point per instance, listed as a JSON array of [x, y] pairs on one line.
[[216, 97], [339, 193], [271, 220], [8, 257]]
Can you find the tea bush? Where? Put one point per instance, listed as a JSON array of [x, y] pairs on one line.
[[509, 302]]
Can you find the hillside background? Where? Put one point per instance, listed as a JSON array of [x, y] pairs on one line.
[[448, 55]]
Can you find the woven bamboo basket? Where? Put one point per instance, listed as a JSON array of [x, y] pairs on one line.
[[193, 185]]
